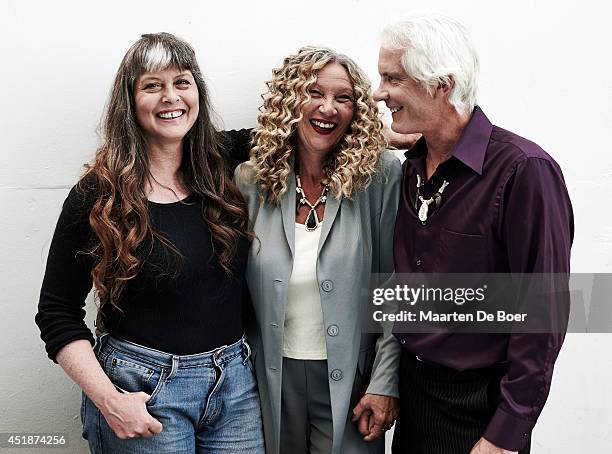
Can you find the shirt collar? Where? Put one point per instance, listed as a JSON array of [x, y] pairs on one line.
[[471, 147]]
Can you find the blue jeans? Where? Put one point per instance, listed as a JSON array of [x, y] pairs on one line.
[[207, 403]]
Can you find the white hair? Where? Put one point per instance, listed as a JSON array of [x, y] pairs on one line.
[[157, 58], [436, 48]]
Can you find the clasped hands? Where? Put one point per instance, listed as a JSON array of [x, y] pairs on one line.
[[375, 415]]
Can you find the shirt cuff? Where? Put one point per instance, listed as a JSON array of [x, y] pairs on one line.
[[53, 349], [383, 389], [507, 431]]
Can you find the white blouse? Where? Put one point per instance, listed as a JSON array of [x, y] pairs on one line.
[[304, 336]]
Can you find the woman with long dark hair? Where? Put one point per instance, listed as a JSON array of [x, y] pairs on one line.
[[160, 231]]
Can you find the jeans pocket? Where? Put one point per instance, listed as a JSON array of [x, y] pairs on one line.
[[251, 366], [84, 414], [131, 374], [250, 361]]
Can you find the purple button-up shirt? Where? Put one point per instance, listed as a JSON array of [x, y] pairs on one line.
[[505, 210]]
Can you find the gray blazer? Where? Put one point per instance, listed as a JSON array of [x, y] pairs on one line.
[[356, 240]]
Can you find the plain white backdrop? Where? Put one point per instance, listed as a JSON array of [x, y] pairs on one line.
[[545, 74]]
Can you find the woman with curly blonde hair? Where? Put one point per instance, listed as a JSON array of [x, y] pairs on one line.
[[322, 193], [160, 231]]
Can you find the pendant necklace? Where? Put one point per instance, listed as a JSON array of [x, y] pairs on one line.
[[312, 220], [437, 198]]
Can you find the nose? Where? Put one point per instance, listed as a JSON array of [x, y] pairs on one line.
[[380, 94], [327, 106], [170, 95]]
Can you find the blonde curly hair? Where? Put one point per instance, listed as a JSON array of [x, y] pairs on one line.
[[355, 159]]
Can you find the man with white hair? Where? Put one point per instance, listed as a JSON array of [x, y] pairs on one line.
[[475, 199]]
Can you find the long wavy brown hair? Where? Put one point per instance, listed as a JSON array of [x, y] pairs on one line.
[[119, 216]]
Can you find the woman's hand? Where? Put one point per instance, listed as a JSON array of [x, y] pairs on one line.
[[127, 415], [375, 414], [401, 141]]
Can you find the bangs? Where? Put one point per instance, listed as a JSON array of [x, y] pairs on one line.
[[161, 55], [156, 58]]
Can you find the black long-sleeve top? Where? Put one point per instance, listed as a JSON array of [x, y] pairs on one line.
[[177, 305]]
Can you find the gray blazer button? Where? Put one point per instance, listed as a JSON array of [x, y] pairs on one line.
[[336, 375], [328, 286], [333, 330]]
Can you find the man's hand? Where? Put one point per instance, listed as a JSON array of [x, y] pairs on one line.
[[127, 415], [375, 414], [486, 447]]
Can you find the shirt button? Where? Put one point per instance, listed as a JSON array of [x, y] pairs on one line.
[[403, 342], [336, 375], [423, 222], [332, 330], [327, 286], [418, 262], [525, 435]]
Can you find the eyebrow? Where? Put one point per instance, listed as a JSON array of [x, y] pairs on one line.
[[183, 74], [392, 73], [178, 76], [342, 90], [391, 70]]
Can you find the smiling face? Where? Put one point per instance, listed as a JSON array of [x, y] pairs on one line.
[[328, 114], [167, 105], [412, 108]]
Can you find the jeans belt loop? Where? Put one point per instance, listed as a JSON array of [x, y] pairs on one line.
[[217, 354], [99, 343], [174, 369], [247, 347]]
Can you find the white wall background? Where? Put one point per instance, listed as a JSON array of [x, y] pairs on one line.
[[546, 69]]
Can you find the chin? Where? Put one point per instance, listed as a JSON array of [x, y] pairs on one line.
[[323, 147], [402, 128]]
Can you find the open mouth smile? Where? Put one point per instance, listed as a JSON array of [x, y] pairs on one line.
[[323, 127], [170, 114]]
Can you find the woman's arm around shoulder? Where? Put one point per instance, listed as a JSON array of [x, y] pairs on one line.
[[245, 179], [235, 146]]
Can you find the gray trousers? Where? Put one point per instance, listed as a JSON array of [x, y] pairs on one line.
[[306, 417]]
